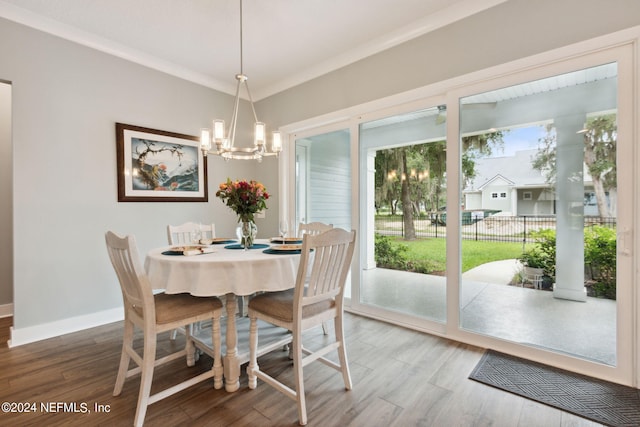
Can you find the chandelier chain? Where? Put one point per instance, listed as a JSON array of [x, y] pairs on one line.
[[241, 44], [225, 144]]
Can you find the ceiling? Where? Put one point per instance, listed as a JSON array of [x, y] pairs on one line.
[[285, 42]]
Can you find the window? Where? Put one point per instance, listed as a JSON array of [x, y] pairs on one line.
[[527, 195]]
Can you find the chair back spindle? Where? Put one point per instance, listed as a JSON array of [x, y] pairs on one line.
[[136, 289], [182, 234], [313, 228]]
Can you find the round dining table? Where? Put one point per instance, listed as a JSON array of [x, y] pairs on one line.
[[227, 270]]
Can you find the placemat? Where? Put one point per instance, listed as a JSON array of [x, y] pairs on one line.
[[172, 253], [289, 240], [598, 400], [254, 246], [279, 252], [222, 242]]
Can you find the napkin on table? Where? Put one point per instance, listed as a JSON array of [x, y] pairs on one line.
[[197, 251]]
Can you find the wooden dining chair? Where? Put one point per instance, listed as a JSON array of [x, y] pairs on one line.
[[313, 228], [154, 314], [182, 234], [325, 261]]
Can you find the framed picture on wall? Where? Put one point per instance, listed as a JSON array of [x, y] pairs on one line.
[[159, 166]]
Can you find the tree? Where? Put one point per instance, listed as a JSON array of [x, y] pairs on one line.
[[386, 180], [545, 158], [436, 161], [415, 175], [600, 146], [407, 205], [475, 147]]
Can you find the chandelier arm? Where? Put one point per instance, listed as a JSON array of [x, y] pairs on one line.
[[255, 116], [234, 117]]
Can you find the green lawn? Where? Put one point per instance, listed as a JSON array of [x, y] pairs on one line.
[[474, 253]]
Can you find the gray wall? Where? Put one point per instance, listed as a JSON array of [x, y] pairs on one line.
[[6, 241], [509, 31], [66, 101]]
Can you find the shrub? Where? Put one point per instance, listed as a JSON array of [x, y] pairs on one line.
[[533, 257], [600, 260], [546, 241], [424, 266], [389, 255], [543, 252], [394, 255]]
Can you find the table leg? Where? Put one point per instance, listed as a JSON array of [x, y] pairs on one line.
[[231, 362]]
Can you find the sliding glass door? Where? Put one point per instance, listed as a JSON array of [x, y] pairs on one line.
[[494, 218], [497, 213], [543, 188], [403, 197]]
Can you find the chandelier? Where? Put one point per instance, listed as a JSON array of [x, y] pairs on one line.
[[225, 142]]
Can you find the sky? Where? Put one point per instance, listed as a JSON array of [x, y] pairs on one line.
[[517, 139]]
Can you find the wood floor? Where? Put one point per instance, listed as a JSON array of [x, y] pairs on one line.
[[401, 378]]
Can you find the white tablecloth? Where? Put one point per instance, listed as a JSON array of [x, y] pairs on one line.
[[224, 271], [227, 272]]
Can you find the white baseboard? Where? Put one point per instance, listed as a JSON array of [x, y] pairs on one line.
[[6, 310], [31, 334]]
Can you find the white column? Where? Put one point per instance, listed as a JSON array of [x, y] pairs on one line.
[[570, 209]]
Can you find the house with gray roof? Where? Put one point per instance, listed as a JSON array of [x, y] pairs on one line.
[[511, 185]]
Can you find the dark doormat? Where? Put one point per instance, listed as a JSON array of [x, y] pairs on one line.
[[600, 401]]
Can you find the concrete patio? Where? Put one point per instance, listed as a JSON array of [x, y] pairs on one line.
[[490, 306]]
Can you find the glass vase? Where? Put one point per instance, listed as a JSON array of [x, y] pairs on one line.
[[246, 233]]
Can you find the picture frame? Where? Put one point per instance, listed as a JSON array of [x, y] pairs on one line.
[[159, 166]]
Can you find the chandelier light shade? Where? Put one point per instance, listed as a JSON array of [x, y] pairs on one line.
[[220, 142]]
